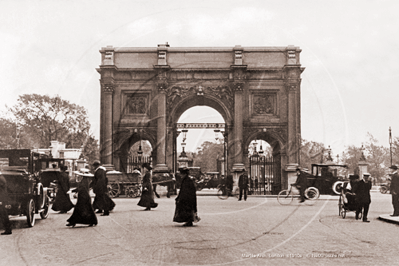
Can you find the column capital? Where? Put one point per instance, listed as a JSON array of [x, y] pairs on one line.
[[291, 86], [107, 88], [162, 86], [238, 86]]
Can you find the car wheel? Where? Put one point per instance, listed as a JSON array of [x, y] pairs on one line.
[[30, 213]]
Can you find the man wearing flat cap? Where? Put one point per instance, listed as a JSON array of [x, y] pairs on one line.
[[102, 201], [395, 189]]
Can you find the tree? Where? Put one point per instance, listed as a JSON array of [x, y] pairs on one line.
[[206, 156], [8, 131], [351, 157], [377, 157], [91, 150], [395, 152], [51, 118], [311, 152]]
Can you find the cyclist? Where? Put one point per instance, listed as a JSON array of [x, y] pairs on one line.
[[229, 184], [301, 183]]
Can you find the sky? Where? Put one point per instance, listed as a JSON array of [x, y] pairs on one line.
[[348, 87]]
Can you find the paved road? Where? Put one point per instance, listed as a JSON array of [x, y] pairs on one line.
[[258, 231]]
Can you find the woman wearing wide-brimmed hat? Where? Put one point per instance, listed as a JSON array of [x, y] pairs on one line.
[[147, 195], [83, 212], [186, 201]]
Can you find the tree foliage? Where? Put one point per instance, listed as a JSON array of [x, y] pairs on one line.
[[91, 150], [51, 118], [8, 131], [377, 157], [206, 156], [395, 151], [351, 157], [311, 152]]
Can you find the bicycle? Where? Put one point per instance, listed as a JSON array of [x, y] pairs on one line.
[[286, 196], [223, 192]]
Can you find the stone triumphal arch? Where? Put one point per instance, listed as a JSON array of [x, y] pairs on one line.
[[256, 90]]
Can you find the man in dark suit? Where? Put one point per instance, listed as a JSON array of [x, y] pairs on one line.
[[395, 189], [363, 199], [243, 184], [102, 201], [4, 206], [301, 184]]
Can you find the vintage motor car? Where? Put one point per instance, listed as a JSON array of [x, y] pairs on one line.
[[49, 171], [210, 180], [27, 195], [326, 176]]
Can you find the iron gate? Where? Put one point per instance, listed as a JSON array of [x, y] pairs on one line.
[[264, 175]]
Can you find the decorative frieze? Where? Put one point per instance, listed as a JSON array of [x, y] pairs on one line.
[[176, 93]]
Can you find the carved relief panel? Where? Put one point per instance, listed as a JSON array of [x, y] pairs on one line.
[[262, 104], [135, 104]]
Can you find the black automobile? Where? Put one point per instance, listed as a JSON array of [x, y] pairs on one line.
[[27, 195]]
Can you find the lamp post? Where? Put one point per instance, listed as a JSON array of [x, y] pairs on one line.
[[390, 143], [140, 151]]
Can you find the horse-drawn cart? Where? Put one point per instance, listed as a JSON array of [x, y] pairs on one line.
[[128, 184]]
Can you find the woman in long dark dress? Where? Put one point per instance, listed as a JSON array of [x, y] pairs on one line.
[[186, 201], [147, 195], [83, 212], [62, 201]]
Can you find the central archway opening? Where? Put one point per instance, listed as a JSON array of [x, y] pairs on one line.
[[201, 142]]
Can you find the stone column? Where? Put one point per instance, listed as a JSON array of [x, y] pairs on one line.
[[238, 127], [292, 125], [161, 131], [106, 124]]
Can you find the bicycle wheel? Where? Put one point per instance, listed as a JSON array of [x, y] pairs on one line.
[[284, 197], [312, 193], [340, 205], [222, 193]]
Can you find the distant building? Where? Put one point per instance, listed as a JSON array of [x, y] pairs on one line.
[[57, 150]]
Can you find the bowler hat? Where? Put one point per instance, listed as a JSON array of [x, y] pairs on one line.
[[393, 167], [147, 165], [96, 162]]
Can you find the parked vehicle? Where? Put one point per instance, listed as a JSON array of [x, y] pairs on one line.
[[324, 177], [27, 195], [49, 171], [128, 184], [210, 180]]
